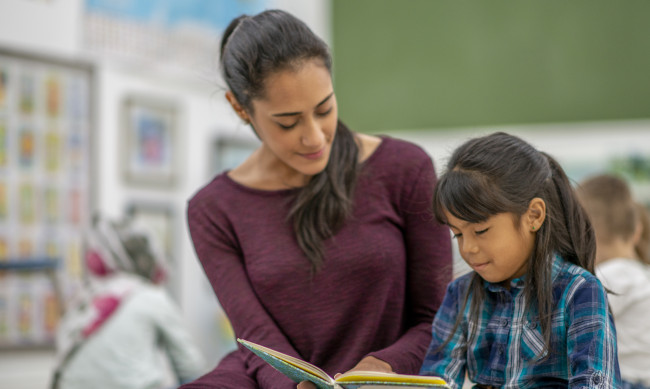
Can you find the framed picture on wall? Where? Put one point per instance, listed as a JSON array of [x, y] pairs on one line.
[[149, 157], [229, 151]]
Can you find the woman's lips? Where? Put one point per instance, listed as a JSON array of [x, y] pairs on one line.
[[315, 155]]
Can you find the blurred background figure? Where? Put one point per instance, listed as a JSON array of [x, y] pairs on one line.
[[623, 266], [123, 330], [642, 246]]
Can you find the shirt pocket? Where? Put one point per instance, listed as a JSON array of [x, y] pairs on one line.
[[532, 341]]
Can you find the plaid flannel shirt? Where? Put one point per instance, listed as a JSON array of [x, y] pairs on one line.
[[507, 343]]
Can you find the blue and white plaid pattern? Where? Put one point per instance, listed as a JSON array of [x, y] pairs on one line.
[[507, 342]]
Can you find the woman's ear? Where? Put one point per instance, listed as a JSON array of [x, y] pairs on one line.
[[241, 112], [536, 214]]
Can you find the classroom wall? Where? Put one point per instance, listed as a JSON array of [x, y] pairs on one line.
[[53, 28], [439, 64]]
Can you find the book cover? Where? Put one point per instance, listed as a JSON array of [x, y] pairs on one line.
[[299, 370]]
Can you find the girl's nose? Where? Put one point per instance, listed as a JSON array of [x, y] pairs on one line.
[[469, 246]]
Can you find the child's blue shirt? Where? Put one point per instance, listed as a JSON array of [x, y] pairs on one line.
[[507, 342]]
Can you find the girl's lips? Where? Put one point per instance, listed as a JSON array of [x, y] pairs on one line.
[[315, 155], [479, 266]]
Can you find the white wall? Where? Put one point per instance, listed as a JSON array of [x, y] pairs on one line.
[[583, 149], [54, 28]]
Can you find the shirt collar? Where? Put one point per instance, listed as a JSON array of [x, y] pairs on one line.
[[519, 282]]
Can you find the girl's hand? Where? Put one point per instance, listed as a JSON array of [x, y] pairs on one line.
[[366, 364]]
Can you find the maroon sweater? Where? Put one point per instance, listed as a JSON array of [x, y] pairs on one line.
[[384, 274]]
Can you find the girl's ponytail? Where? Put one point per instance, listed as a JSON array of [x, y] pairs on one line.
[[573, 231]]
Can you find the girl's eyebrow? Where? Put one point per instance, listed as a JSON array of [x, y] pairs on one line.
[[298, 113]]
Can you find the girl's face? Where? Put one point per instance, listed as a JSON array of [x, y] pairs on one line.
[[296, 121], [497, 249]]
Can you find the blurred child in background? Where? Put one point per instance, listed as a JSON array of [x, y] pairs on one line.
[[117, 332], [622, 265]]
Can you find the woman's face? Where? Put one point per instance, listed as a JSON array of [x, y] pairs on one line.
[[296, 121]]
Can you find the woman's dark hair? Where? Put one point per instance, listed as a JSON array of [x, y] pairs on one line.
[[254, 47], [501, 173]]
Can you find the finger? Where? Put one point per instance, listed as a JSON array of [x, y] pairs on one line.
[[306, 385]]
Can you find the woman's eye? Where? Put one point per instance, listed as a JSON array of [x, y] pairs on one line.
[[324, 113], [287, 127], [481, 231]]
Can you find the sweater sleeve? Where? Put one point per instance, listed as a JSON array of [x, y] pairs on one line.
[[429, 270], [223, 264]]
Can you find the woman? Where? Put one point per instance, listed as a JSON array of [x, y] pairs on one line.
[[321, 244]]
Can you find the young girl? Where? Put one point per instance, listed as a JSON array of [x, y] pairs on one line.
[[531, 314]]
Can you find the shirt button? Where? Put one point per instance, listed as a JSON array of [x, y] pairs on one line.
[[596, 379], [504, 322]]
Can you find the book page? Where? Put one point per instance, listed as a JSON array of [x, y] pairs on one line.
[[369, 377], [298, 363]]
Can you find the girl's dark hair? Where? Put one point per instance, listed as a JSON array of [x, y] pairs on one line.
[[501, 173], [254, 47]]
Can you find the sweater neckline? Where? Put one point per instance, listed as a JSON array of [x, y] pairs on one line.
[[270, 192]]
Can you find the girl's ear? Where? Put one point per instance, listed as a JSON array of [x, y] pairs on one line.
[[536, 214], [241, 112]]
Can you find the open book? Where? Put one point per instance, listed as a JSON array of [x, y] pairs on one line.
[[299, 370]]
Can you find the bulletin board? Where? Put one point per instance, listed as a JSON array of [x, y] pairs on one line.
[[45, 199]]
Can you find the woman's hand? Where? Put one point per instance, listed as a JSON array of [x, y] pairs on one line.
[[372, 364], [306, 385], [366, 364]]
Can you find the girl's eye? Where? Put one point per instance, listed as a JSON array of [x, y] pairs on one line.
[[481, 231], [456, 236], [325, 113]]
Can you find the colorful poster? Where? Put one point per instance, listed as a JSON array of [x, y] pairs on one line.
[[4, 81], [26, 147], [74, 206], [51, 202], [4, 248], [4, 315], [25, 314], [27, 203], [3, 144], [50, 309], [74, 151], [52, 151], [52, 248], [4, 202], [53, 96], [73, 259], [25, 248], [27, 97], [44, 188]]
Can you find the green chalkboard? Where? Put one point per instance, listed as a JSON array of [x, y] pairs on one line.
[[422, 64]]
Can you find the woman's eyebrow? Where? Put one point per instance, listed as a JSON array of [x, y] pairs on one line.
[[298, 113]]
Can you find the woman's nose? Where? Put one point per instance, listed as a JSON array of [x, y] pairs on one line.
[[313, 134]]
